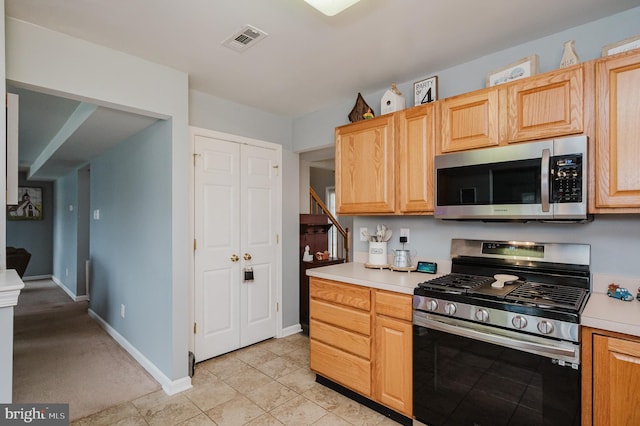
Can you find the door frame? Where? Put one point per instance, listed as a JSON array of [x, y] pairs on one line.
[[193, 131]]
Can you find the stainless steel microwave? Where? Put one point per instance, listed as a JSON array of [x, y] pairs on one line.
[[543, 180]]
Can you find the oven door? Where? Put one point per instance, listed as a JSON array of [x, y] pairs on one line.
[[471, 376]]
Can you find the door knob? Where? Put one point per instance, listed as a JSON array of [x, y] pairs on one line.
[[247, 256], [234, 258]]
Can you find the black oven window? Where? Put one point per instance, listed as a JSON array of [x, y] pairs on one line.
[[460, 381]]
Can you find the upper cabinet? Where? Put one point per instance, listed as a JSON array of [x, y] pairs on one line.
[[546, 106], [384, 165], [365, 167], [543, 106], [617, 153], [469, 121], [416, 130]]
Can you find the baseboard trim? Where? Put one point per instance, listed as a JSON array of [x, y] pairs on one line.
[[289, 331], [36, 278], [169, 386], [64, 288]]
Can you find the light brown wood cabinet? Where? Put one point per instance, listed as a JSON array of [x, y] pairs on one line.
[[361, 338], [546, 106], [365, 167], [617, 152], [539, 107], [415, 148], [469, 121], [385, 165], [393, 367], [611, 378], [340, 333]]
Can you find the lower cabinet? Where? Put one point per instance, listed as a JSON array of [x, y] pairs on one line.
[[393, 348], [611, 378], [361, 338]]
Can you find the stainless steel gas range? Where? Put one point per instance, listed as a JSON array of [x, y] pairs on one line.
[[496, 341]]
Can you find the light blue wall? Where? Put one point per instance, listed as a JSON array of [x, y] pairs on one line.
[[56, 63], [35, 236], [614, 239], [65, 233], [131, 241], [316, 130], [217, 114]]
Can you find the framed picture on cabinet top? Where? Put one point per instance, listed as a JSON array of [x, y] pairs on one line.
[[425, 91], [621, 46], [525, 67]]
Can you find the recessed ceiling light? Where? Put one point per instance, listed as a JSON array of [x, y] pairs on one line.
[[331, 7]]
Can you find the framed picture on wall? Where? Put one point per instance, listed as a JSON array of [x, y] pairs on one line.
[[29, 205]]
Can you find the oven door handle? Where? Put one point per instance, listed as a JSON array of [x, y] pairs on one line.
[[549, 351]]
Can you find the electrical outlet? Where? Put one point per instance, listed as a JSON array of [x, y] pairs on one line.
[[96, 214], [404, 232], [66, 272], [122, 310], [362, 231]]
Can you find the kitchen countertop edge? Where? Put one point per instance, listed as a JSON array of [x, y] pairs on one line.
[[382, 279], [606, 313]]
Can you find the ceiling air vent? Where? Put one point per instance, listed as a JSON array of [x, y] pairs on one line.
[[246, 37]]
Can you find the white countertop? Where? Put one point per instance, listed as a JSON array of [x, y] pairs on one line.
[[10, 286], [601, 311], [382, 279], [611, 314]]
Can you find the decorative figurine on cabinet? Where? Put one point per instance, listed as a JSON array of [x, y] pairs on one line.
[[307, 257], [360, 109]]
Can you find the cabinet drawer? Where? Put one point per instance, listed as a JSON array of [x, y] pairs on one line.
[[394, 305], [343, 294], [341, 367], [356, 344], [337, 315]]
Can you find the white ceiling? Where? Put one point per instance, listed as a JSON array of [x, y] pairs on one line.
[[309, 61]]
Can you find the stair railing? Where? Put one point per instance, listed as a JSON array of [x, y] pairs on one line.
[[317, 206]]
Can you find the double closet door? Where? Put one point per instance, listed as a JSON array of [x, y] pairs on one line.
[[236, 216]]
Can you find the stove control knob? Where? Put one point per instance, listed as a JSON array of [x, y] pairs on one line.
[[450, 308], [545, 327], [519, 322], [432, 305], [482, 315]]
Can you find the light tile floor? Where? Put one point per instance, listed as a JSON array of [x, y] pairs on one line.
[[268, 383]]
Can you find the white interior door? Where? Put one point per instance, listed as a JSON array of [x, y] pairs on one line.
[[217, 231], [258, 235], [235, 202]]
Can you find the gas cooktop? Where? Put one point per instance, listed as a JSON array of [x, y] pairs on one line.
[[541, 295]]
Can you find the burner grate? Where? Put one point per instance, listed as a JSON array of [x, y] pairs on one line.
[[549, 295], [459, 282]]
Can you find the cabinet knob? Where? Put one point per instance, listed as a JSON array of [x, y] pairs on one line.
[[247, 256], [234, 258]]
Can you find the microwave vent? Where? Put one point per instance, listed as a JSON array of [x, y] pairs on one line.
[[244, 38]]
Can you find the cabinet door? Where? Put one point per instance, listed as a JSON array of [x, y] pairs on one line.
[[415, 150], [470, 121], [546, 106], [393, 364], [617, 129], [616, 380], [365, 180]]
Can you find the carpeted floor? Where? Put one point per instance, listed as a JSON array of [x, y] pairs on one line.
[[62, 356]]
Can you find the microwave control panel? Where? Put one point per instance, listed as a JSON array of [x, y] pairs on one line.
[[566, 179]]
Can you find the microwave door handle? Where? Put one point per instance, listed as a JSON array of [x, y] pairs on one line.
[[544, 179]]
